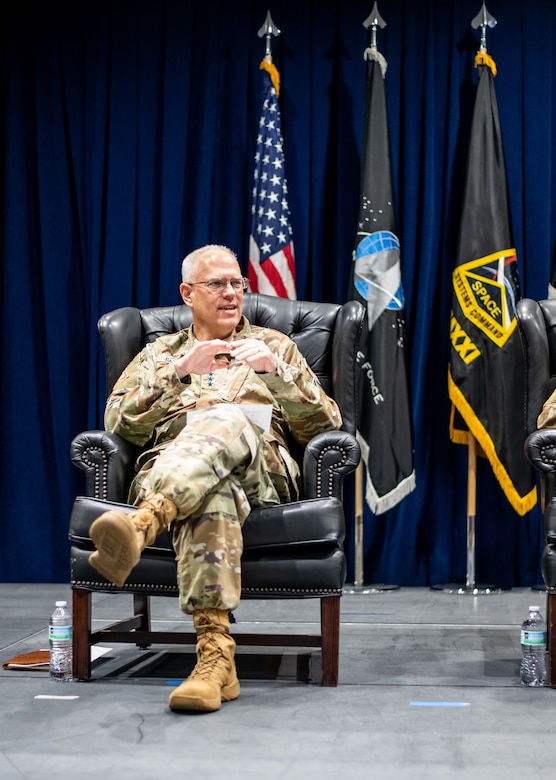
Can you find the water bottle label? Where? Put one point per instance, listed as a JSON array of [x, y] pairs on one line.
[[533, 638], [59, 633]]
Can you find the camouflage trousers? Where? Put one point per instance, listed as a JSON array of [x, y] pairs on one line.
[[215, 470]]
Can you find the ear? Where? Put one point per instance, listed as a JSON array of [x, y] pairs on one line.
[[185, 292]]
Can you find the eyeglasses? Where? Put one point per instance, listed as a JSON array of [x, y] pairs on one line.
[[219, 285]]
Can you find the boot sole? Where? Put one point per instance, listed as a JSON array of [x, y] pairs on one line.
[[116, 543], [186, 702]]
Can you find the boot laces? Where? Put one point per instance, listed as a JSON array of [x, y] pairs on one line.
[[141, 522], [211, 658]]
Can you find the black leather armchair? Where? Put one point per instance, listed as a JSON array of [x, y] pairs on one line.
[[290, 551], [537, 324]]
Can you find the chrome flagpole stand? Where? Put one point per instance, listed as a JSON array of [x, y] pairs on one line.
[[470, 587]]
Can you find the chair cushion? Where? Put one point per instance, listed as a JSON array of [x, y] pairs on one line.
[[307, 523], [322, 573], [316, 521]]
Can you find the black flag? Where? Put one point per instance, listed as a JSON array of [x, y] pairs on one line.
[[486, 377], [385, 427]]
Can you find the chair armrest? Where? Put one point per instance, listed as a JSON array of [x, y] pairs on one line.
[[108, 461], [540, 449], [328, 458]]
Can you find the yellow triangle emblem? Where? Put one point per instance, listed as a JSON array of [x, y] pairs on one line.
[[486, 295]]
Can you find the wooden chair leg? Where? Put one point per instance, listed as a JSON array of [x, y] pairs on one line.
[[81, 607], [142, 606], [551, 637], [330, 632]]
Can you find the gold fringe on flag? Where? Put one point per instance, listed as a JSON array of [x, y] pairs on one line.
[[273, 73], [482, 58], [521, 504]]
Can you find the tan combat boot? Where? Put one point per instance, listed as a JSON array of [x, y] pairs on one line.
[[120, 539], [214, 678]]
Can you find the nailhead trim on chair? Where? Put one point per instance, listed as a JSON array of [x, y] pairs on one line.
[[127, 586], [331, 471], [545, 459], [173, 588], [101, 489], [335, 591]]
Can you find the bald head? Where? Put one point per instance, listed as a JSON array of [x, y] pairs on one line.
[[208, 253]]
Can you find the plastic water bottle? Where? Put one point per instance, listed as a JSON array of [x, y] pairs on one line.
[[533, 649], [60, 636]]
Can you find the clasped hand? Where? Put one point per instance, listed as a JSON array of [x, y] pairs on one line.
[[211, 355]]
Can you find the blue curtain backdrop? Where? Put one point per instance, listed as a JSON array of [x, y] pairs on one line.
[[128, 140]]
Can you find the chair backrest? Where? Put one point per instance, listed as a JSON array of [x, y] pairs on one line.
[[537, 325], [327, 334]]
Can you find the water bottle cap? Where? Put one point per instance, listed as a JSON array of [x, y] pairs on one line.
[[534, 609], [61, 603]]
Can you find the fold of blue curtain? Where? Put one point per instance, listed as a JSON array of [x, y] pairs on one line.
[[128, 139]]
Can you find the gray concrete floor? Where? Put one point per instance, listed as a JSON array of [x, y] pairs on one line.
[[428, 688]]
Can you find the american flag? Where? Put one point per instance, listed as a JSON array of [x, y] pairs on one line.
[[271, 256]]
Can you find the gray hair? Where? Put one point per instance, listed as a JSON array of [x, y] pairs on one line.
[[191, 261]]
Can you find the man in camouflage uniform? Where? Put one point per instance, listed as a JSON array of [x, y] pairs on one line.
[[206, 463]]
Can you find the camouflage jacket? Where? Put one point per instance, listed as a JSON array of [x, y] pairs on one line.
[[547, 417], [149, 403]]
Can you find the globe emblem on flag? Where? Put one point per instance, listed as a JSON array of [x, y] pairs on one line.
[[377, 275]]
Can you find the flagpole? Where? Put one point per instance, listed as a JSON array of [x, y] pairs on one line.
[[271, 261], [359, 567], [358, 588], [483, 20], [373, 21], [471, 509], [470, 588]]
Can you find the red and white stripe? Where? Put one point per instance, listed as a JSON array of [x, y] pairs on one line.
[[275, 275]]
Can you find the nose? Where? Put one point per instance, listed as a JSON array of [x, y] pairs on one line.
[[229, 289]]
